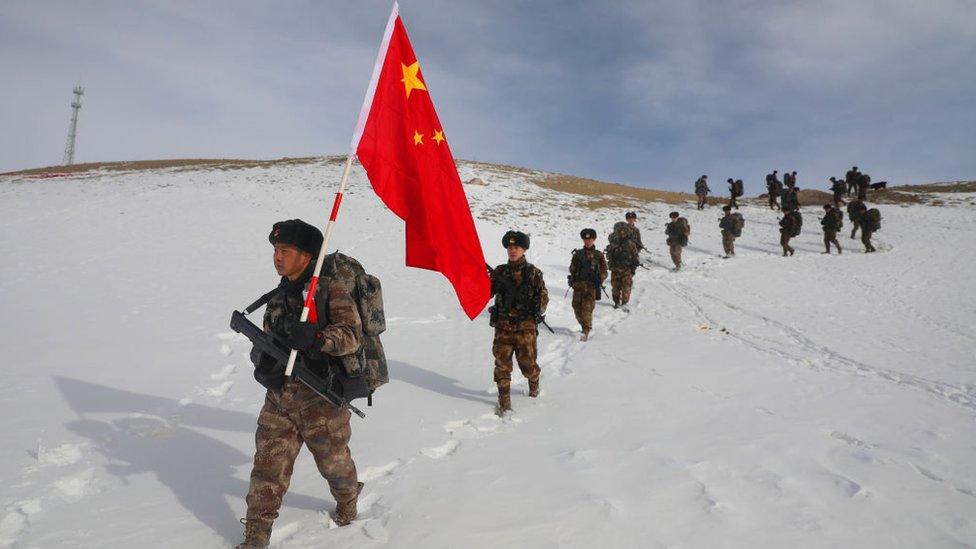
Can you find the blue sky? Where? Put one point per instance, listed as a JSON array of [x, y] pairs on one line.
[[651, 94]]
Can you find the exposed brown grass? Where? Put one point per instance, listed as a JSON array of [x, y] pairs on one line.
[[600, 194], [179, 164], [956, 187]]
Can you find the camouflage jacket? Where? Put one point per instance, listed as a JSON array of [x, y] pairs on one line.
[[855, 209], [338, 323], [520, 295], [586, 263], [678, 231]]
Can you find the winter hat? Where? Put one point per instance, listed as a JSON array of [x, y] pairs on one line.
[[726, 208], [630, 215], [673, 215], [588, 233], [297, 233], [515, 238]]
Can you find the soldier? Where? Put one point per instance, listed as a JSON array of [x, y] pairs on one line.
[[870, 222], [791, 199], [293, 414], [587, 271], [838, 187], [735, 191], [521, 299], [851, 178], [832, 222], [702, 190], [789, 228], [774, 188], [863, 183], [731, 225], [855, 209], [677, 230], [623, 253]]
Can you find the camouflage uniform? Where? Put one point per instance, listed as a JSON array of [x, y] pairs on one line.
[[775, 188], [838, 187], [587, 262], [624, 264], [832, 222], [675, 240], [785, 234], [728, 238], [294, 415], [520, 297], [866, 240], [701, 191]]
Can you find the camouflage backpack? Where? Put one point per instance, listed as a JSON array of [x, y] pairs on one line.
[[737, 223], [622, 251], [368, 294], [872, 220], [833, 220], [737, 188], [792, 222]]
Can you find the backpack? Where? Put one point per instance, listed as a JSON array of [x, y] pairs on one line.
[[622, 250], [737, 223], [871, 220], [368, 294], [737, 188], [700, 186], [678, 231], [792, 222], [833, 221]]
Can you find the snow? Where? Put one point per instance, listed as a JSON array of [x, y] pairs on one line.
[[811, 401]]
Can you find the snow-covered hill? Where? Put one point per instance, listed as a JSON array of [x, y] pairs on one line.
[[760, 401]]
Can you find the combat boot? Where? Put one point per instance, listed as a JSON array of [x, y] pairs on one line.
[[534, 388], [585, 336], [257, 534], [346, 511], [504, 401]]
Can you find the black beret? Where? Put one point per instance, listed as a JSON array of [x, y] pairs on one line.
[[588, 233], [515, 238], [630, 215], [673, 214], [297, 233]]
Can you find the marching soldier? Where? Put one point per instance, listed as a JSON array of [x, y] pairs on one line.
[[775, 188], [789, 227], [855, 209], [852, 177], [677, 230], [731, 225], [838, 187], [623, 253], [832, 222], [521, 299], [293, 414], [701, 191], [587, 271]]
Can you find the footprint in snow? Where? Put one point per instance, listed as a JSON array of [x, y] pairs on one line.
[[220, 390], [224, 372], [442, 451], [379, 471]]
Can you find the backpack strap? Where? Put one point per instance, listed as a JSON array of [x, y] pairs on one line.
[[261, 301]]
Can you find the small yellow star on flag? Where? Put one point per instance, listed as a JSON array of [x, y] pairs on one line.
[[418, 138], [410, 79], [438, 136]]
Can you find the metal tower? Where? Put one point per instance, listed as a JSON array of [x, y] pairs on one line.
[[69, 148]]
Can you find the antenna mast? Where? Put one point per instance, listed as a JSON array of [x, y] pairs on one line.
[[69, 148]]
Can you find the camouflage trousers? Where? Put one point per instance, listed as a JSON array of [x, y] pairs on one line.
[[728, 243], [521, 343], [675, 250], [830, 237], [866, 240], [702, 199], [584, 301], [773, 203], [839, 200], [733, 203], [784, 241], [291, 417], [857, 225], [621, 281]]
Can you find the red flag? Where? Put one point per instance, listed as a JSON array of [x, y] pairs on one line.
[[402, 145]]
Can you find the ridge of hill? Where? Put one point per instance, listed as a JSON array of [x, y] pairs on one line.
[[595, 193]]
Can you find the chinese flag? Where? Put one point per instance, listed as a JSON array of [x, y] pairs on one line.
[[403, 147]]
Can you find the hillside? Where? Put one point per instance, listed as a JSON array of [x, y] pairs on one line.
[[759, 401]]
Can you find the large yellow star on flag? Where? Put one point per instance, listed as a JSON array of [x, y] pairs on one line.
[[410, 79], [438, 136]]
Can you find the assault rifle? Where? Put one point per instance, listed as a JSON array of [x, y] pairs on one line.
[[278, 351]]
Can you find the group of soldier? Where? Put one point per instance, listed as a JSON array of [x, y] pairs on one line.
[[294, 415], [784, 196]]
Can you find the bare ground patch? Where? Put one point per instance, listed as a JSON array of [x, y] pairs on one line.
[[178, 164]]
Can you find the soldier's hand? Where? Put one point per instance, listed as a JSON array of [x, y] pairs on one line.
[[539, 319], [301, 335]]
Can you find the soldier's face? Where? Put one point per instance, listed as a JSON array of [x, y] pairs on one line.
[[632, 220], [588, 242], [515, 253], [289, 261]]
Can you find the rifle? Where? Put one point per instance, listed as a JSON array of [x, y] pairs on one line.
[[275, 349], [541, 319]]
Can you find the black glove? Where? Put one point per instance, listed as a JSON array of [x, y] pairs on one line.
[[301, 335], [539, 319]]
